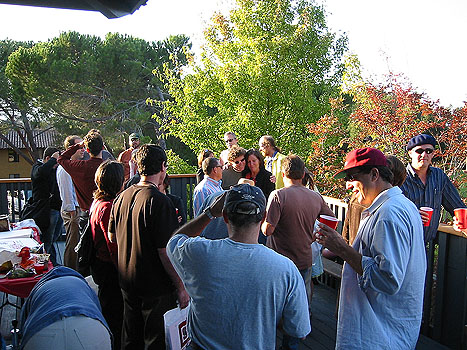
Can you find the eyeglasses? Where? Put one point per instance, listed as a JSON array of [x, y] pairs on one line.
[[239, 161], [426, 150], [229, 140]]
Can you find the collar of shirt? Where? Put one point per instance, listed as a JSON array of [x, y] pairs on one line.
[[210, 179], [379, 200], [411, 170]]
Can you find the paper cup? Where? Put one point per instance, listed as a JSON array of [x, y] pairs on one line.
[[330, 221], [429, 211], [461, 215], [39, 267]]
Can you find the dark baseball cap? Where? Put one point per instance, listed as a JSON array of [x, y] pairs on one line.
[[422, 139], [245, 193], [362, 157]]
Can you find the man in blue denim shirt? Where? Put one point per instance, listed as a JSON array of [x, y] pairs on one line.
[[383, 278], [428, 186]]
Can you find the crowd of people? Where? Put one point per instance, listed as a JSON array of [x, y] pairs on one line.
[[244, 263]]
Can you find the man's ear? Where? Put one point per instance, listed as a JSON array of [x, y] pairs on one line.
[[224, 215], [374, 174]]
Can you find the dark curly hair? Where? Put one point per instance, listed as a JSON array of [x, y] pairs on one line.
[[150, 159]]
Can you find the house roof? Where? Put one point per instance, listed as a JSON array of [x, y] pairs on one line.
[[42, 138], [109, 8]]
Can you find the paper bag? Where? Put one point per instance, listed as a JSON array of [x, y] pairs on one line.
[[176, 332]]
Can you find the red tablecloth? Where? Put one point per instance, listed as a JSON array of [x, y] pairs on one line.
[[20, 287]]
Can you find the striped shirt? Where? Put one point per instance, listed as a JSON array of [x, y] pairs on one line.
[[203, 189], [438, 191]]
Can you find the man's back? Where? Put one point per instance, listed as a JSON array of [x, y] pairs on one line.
[[82, 172], [239, 293], [143, 220], [293, 211]]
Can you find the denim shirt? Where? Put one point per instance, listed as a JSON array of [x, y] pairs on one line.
[[438, 191], [382, 309]]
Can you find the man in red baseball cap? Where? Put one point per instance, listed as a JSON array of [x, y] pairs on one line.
[[383, 278]]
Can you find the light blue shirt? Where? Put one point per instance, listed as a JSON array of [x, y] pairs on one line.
[[204, 189], [239, 292], [217, 228], [383, 308]]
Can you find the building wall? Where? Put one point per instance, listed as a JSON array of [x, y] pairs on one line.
[[7, 168]]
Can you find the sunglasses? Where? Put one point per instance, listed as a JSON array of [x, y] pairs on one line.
[[229, 140], [426, 150], [239, 161], [350, 177]]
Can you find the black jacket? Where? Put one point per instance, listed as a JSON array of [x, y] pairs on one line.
[[44, 182]]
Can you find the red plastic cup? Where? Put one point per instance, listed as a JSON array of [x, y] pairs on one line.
[[39, 267], [429, 211], [330, 221], [461, 215]]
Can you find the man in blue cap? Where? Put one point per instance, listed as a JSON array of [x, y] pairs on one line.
[[428, 186], [239, 289]]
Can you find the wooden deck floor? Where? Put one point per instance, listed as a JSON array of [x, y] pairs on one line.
[[323, 335]]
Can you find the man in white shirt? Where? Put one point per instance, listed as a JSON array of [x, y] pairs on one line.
[[70, 207]]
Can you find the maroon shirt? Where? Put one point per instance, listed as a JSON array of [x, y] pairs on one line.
[[82, 173]]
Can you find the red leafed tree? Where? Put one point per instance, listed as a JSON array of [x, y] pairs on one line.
[[327, 150], [452, 137], [387, 116]]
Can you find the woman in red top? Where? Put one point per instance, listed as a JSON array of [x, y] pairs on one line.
[[109, 180]]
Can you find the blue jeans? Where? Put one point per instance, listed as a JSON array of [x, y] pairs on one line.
[[288, 342], [53, 234]]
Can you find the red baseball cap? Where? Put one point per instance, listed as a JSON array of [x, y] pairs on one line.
[[361, 157]]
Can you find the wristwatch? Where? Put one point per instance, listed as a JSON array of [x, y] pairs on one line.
[[208, 213]]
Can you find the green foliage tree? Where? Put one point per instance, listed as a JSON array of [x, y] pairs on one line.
[[269, 68], [81, 81], [13, 116]]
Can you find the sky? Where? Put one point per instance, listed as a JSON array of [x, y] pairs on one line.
[[422, 39]]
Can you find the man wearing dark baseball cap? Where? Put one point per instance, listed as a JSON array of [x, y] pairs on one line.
[[383, 279], [239, 289], [125, 156], [428, 186]]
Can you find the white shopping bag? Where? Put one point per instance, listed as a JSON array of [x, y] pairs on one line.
[[176, 332]]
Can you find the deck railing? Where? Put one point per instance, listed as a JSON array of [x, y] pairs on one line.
[[15, 192], [445, 303]]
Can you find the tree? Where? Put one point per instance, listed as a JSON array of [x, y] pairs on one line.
[[80, 82], [21, 119], [386, 116], [269, 68]]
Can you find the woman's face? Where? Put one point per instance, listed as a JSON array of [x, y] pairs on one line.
[[253, 163]]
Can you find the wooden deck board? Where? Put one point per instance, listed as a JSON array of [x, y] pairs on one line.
[[324, 324]]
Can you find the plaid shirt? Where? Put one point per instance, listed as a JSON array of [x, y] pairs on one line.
[[204, 189]]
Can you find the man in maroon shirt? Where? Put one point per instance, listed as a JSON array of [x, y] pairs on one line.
[[82, 171]]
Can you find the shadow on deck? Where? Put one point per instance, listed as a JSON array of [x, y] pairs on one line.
[[323, 336]]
